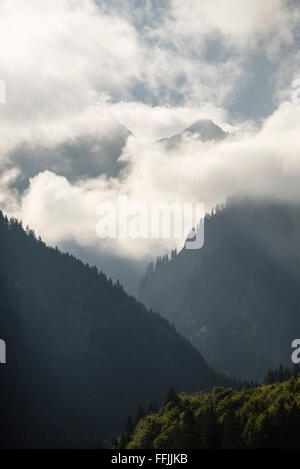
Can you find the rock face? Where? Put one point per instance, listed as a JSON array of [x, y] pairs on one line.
[[206, 130], [237, 299]]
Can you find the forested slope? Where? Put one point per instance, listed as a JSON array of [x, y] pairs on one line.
[[261, 417], [237, 299], [81, 353]]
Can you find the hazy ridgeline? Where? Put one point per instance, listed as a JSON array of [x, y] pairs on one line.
[[237, 299]]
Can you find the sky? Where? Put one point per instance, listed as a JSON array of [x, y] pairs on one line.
[[91, 86]]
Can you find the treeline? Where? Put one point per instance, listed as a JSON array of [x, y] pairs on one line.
[[161, 261], [165, 259], [266, 416], [129, 427], [281, 374]]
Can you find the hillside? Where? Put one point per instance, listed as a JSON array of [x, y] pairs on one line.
[[203, 129], [81, 353], [237, 299], [261, 417]]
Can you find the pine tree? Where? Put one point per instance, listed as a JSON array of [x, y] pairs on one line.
[[129, 426], [140, 414], [172, 397]]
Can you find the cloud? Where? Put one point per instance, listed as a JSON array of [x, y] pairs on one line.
[[239, 25], [63, 60], [58, 58], [79, 73], [9, 199], [155, 122], [256, 163], [78, 158]]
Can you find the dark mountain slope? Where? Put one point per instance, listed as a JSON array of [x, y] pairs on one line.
[[81, 353], [237, 299]]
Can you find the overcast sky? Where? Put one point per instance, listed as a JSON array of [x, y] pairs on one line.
[[91, 84]]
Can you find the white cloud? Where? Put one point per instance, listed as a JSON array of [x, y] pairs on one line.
[[73, 68], [153, 123], [58, 58], [8, 196], [64, 61], [241, 24]]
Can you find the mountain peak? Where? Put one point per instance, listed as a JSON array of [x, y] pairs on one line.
[[206, 129]]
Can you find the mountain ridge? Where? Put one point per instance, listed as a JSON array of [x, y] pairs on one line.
[[203, 129], [81, 353]]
